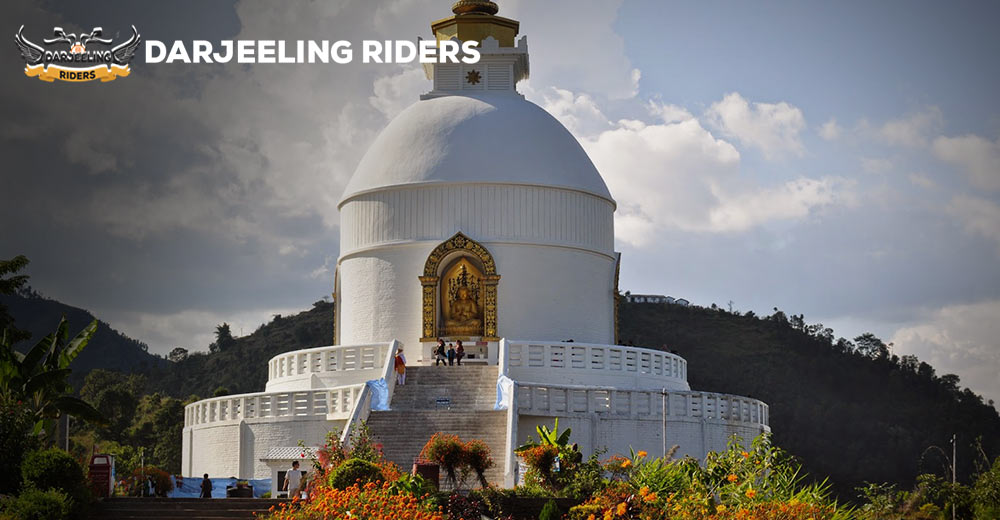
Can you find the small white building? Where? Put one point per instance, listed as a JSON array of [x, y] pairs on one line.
[[474, 216]]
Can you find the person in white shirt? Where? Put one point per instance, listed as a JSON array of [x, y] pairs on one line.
[[293, 480]]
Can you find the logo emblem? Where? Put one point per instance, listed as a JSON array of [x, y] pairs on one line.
[[72, 57]]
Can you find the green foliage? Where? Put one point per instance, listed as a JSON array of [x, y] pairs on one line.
[[116, 396], [550, 511], [477, 458], [54, 469], [414, 485], [554, 464], [354, 471], [10, 283], [38, 378], [16, 422], [158, 425], [137, 484], [36, 504], [851, 416], [986, 493]]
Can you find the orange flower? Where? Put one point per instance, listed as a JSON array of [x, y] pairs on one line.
[[731, 477], [622, 509], [643, 491], [641, 454], [626, 463], [650, 497], [751, 493], [745, 454]]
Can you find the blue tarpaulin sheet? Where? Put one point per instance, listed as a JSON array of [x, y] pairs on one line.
[[380, 394], [191, 487]]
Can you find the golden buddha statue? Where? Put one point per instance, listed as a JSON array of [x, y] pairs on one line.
[[464, 313]]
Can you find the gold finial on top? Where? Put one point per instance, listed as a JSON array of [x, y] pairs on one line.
[[475, 6]]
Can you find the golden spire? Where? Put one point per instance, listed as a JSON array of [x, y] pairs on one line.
[[474, 6], [476, 20]]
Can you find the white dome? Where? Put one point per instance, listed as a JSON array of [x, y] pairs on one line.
[[496, 139]]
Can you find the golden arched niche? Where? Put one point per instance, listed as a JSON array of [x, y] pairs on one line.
[[459, 291]]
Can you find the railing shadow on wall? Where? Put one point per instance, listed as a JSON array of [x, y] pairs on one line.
[[363, 404]]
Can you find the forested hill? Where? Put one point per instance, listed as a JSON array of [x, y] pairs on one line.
[[239, 365], [108, 348], [849, 410]]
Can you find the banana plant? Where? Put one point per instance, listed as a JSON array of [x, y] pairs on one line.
[[38, 377], [547, 437]]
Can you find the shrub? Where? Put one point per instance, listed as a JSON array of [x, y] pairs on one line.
[[16, 422], [448, 452], [986, 493], [477, 457], [53, 469], [550, 511], [136, 484], [35, 504], [354, 471]]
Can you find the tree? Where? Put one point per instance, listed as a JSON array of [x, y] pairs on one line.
[[116, 397], [158, 426], [178, 354], [10, 283], [223, 338], [38, 378], [871, 346]]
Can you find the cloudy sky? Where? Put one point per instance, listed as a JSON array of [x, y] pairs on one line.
[[835, 159]]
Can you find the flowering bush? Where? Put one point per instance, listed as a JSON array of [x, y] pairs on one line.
[[478, 459], [448, 452], [371, 501], [746, 484], [135, 485]]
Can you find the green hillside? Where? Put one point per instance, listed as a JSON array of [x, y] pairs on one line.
[[109, 349], [850, 411], [240, 365]]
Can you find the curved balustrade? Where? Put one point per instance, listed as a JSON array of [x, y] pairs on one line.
[[334, 365], [331, 403], [586, 364], [554, 400]]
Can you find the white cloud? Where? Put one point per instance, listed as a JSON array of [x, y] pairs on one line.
[[677, 175], [922, 180], [773, 128], [876, 164], [830, 130], [959, 339], [579, 113], [792, 200], [978, 216], [395, 92], [979, 157], [912, 130]]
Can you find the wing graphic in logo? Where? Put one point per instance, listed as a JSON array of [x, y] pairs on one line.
[[124, 53], [31, 53]]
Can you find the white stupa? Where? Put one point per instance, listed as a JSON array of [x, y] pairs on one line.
[[474, 216]]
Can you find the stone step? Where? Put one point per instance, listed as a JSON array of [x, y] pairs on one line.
[[457, 388], [403, 433], [133, 508]]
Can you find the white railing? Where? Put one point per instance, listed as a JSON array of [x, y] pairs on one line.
[[555, 400], [587, 363], [325, 360], [362, 405], [331, 403]]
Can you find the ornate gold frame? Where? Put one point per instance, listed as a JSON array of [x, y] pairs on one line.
[[429, 281]]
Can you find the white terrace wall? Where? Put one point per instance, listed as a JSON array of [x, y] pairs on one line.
[[326, 367], [227, 436], [697, 422], [572, 363]]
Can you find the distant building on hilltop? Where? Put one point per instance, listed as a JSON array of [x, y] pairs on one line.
[[654, 298]]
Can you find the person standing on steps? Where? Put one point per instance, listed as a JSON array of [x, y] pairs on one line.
[[451, 354], [293, 480], [206, 487], [459, 352], [400, 366], [439, 352]]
